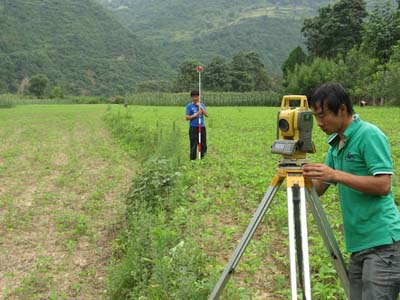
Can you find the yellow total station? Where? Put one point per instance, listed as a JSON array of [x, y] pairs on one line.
[[294, 130]]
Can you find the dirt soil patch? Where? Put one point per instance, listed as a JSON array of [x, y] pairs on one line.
[[62, 186]]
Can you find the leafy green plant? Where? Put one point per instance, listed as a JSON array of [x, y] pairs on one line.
[[150, 187]]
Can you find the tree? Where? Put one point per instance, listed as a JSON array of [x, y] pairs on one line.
[[242, 81], [296, 57], [188, 78], [356, 71], [217, 75], [252, 64], [336, 29], [382, 31], [305, 78], [152, 86], [391, 77], [57, 93], [38, 84]]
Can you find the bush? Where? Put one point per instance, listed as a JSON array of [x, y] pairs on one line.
[[37, 85], [150, 187]]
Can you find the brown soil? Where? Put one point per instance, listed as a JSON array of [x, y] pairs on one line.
[[61, 200]]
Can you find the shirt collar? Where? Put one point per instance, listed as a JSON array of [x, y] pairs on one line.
[[349, 131]]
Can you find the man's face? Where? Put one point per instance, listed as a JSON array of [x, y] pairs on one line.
[[328, 121], [195, 98]]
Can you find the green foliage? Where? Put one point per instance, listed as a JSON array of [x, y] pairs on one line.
[[248, 73], [306, 77], [296, 57], [245, 73], [357, 73], [202, 30], [138, 140], [361, 68], [158, 264], [57, 93], [381, 32], [391, 76], [154, 86], [266, 98], [77, 44], [188, 77], [159, 260], [150, 187], [336, 29], [7, 101], [38, 84], [217, 75]]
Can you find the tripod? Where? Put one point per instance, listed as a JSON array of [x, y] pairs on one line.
[[298, 190]]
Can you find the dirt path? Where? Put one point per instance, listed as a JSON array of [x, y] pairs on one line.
[[62, 182]]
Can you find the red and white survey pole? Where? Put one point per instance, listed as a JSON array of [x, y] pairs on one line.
[[199, 70]]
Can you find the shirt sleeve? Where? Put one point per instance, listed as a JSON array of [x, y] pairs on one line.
[[377, 154]]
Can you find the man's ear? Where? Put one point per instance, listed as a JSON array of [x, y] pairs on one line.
[[343, 110]]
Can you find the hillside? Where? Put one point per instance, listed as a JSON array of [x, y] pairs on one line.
[[204, 29], [184, 29], [78, 44], [86, 48]]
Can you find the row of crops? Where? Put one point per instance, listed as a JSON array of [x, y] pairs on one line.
[[155, 99], [210, 98]]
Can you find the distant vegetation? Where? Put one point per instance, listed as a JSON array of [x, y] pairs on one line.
[[77, 44], [365, 57], [262, 98], [82, 49], [204, 29]]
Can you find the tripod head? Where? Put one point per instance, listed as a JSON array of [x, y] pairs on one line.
[[294, 130]]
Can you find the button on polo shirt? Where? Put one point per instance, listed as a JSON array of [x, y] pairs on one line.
[[369, 220]]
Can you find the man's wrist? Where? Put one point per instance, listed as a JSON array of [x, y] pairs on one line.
[[336, 176]]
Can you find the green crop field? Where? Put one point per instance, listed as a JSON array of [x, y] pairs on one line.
[[84, 187]]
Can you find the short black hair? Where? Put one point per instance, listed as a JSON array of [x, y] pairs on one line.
[[194, 93], [331, 96]]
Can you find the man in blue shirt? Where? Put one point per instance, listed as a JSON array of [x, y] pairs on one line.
[[359, 163], [196, 111]]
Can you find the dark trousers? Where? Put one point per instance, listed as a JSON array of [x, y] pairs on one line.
[[375, 273], [194, 139]]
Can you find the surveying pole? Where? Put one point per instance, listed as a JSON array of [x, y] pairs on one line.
[[294, 141], [199, 70]]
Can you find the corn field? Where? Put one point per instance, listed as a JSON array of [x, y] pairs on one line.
[[265, 98], [209, 98]]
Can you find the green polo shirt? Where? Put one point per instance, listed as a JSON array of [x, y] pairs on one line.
[[368, 220]]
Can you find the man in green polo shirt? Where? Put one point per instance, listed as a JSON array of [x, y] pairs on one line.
[[359, 162]]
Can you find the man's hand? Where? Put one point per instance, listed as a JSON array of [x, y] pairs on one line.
[[369, 184], [202, 110], [199, 106], [319, 172]]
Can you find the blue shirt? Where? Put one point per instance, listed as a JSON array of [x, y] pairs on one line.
[[191, 109]]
